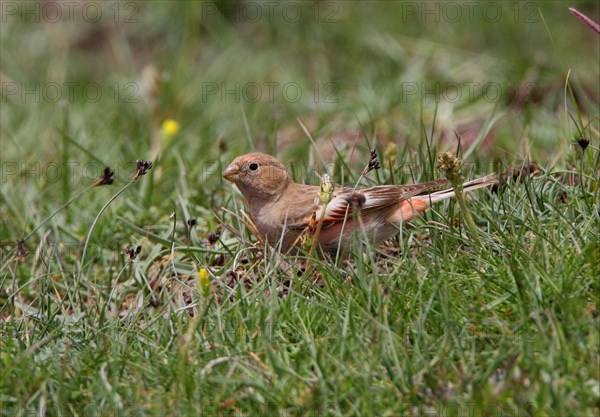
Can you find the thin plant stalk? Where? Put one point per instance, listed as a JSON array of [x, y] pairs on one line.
[[47, 219], [89, 235], [452, 168]]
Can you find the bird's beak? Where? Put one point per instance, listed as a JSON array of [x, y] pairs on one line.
[[231, 173]]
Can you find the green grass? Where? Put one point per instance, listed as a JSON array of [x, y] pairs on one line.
[[431, 324]]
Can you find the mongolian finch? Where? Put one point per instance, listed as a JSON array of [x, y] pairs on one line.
[[284, 210]]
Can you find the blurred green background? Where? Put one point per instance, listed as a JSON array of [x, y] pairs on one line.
[[190, 85], [239, 76]]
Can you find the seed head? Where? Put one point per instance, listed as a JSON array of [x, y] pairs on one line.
[[142, 168], [213, 237], [583, 142], [22, 251], [107, 178], [451, 165], [132, 253], [373, 162], [326, 190]]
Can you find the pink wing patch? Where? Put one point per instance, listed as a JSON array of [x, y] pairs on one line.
[[409, 209]]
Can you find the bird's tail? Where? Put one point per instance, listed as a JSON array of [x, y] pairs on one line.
[[423, 198], [516, 172], [477, 183]]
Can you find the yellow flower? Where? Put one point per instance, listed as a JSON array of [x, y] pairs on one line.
[[204, 282], [170, 128]]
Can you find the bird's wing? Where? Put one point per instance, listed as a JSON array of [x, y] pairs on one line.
[[347, 201], [374, 199]]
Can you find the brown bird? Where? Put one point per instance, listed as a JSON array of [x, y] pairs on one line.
[[283, 210]]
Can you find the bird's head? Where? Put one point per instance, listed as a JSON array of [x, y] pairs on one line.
[[258, 175]]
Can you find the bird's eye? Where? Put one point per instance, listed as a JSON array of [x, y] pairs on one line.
[[253, 166]]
